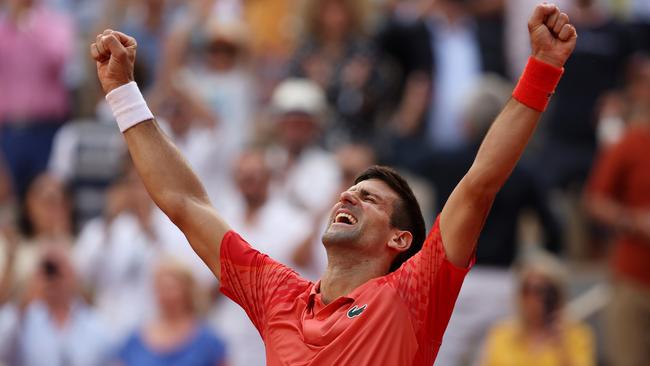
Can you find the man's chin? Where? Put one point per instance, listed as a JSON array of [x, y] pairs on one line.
[[338, 234]]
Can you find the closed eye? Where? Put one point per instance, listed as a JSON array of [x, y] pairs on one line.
[[367, 196]]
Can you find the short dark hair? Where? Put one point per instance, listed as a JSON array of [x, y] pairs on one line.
[[406, 213]]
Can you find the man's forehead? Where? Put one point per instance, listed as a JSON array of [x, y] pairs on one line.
[[375, 186]]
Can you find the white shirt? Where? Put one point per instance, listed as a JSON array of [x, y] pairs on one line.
[[117, 263], [312, 183], [458, 68], [83, 341], [230, 95]]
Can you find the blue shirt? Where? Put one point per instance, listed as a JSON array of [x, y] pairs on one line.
[[202, 349], [83, 341]]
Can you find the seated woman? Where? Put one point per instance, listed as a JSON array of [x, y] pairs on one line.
[[540, 334], [176, 336]]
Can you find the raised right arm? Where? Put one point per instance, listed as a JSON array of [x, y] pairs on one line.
[[170, 181]]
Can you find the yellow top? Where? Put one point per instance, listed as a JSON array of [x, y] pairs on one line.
[[506, 346], [272, 25]]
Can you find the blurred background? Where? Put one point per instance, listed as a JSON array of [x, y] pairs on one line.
[[277, 105]]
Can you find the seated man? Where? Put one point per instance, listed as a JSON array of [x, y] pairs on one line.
[[387, 293]]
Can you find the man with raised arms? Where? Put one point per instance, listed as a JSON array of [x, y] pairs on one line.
[[388, 292]]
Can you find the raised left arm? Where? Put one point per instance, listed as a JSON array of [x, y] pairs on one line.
[[461, 220]]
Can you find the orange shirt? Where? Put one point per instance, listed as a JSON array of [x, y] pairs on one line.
[[622, 173], [397, 319]]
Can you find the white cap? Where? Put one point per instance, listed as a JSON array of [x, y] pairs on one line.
[[233, 32], [299, 95]]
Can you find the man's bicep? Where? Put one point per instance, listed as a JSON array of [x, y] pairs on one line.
[[204, 229], [462, 220]]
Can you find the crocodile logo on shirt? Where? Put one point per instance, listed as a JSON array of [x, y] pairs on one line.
[[356, 311]]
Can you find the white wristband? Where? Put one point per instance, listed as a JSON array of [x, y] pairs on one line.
[[128, 106]]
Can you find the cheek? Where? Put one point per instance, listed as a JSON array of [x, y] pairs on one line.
[[377, 220]]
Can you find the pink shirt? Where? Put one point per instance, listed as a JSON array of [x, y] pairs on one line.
[[33, 54]]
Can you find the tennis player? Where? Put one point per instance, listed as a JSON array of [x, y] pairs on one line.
[[388, 291]]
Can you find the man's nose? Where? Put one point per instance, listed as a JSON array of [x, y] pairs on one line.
[[349, 198]]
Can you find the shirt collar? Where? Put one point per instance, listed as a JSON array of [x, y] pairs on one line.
[[351, 297]]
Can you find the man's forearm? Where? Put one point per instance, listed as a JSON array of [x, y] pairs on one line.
[[502, 147], [166, 174]]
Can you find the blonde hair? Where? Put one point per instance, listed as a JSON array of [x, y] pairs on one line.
[[169, 265], [544, 264]]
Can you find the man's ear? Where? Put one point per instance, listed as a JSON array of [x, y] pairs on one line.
[[401, 241]]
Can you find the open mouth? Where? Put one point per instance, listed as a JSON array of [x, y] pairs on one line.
[[345, 218]]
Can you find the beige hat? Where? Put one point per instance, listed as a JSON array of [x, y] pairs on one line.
[[299, 95]]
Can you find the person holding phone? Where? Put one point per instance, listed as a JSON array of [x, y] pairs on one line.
[[541, 332]]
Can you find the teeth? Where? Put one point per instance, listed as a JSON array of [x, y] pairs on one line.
[[350, 218]]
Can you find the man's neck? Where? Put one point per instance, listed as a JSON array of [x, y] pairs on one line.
[[346, 273]]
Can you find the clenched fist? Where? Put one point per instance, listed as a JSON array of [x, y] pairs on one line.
[[552, 38], [114, 53]]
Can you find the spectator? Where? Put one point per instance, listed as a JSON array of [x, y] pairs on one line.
[[36, 43], [405, 42], [457, 68], [269, 20], [540, 333], [176, 336], [46, 222], [353, 159], [114, 255], [274, 29], [256, 215], [618, 196], [215, 74], [305, 174], [197, 132], [87, 154], [613, 105], [337, 56], [58, 328], [47, 212], [148, 21]]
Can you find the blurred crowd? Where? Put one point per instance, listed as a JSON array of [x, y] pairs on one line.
[[277, 105]]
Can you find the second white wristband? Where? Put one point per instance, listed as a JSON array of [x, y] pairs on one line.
[[128, 106]]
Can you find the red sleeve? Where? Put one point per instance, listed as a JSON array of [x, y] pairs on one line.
[[429, 285], [255, 281], [608, 171]]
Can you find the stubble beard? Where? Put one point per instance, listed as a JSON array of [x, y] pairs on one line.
[[341, 237]]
